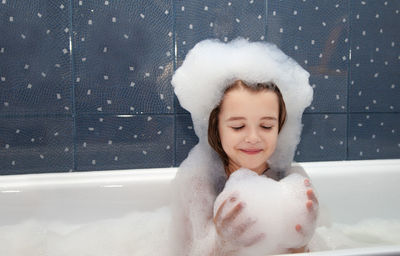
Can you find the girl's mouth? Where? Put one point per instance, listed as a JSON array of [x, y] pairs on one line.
[[251, 151]]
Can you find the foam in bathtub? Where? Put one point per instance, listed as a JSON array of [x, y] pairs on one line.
[[277, 207]]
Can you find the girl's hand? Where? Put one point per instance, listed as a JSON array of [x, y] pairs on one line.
[[229, 231], [312, 208]]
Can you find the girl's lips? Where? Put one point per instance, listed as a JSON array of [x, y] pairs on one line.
[[251, 151]]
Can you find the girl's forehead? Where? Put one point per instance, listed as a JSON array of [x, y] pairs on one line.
[[247, 97], [249, 103]]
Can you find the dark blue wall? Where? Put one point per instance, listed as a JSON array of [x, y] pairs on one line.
[[85, 85]]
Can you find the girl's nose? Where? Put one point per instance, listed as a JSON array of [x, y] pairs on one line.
[[252, 137]]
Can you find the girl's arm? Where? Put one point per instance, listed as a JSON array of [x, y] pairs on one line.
[[193, 215]]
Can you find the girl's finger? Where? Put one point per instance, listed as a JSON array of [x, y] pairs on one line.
[[240, 229], [309, 205], [255, 240], [218, 214], [232, 214], [311, 195]]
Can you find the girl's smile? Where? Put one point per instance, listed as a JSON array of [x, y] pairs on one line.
[[251, 151]]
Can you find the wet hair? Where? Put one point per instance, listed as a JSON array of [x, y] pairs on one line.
[[213, 132]]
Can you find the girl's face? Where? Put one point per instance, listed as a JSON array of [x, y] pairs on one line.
[[248, 128]]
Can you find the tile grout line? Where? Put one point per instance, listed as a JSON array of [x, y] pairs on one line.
[[348, 81], [174, 47], [74, 116]]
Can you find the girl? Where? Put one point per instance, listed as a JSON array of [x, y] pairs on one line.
[[244, 136], [243, 129]]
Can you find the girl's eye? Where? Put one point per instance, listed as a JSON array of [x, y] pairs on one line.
[[237, 127], [267, 127]]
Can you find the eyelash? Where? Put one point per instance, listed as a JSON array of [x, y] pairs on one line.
[[237, 128], [240, 127]]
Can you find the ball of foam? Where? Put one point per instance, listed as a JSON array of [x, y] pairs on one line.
[[212, 65], [277, 207]]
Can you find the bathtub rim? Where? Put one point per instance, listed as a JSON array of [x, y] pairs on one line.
[[169, 172], [161, 174]]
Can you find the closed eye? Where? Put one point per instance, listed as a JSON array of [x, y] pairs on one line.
[[267, 127], [237, 127]]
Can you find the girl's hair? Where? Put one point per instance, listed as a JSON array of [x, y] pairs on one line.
[[213, 133]]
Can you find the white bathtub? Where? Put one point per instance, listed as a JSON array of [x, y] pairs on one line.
[[349, 192]]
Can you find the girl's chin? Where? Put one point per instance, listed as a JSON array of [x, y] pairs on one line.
[[258, 169]]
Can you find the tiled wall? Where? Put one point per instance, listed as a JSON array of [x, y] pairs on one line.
[[85, 84]]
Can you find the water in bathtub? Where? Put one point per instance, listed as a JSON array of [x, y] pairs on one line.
[[146, 234]]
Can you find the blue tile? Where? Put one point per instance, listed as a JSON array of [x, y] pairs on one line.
[[123, 56], [36, 144], [374, 85], [374, 136], [124, 141], [316, 35], [35, 66], [225, 20], [323, 138], [185, 137]]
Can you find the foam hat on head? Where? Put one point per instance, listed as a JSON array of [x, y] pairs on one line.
[[211, 66]]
